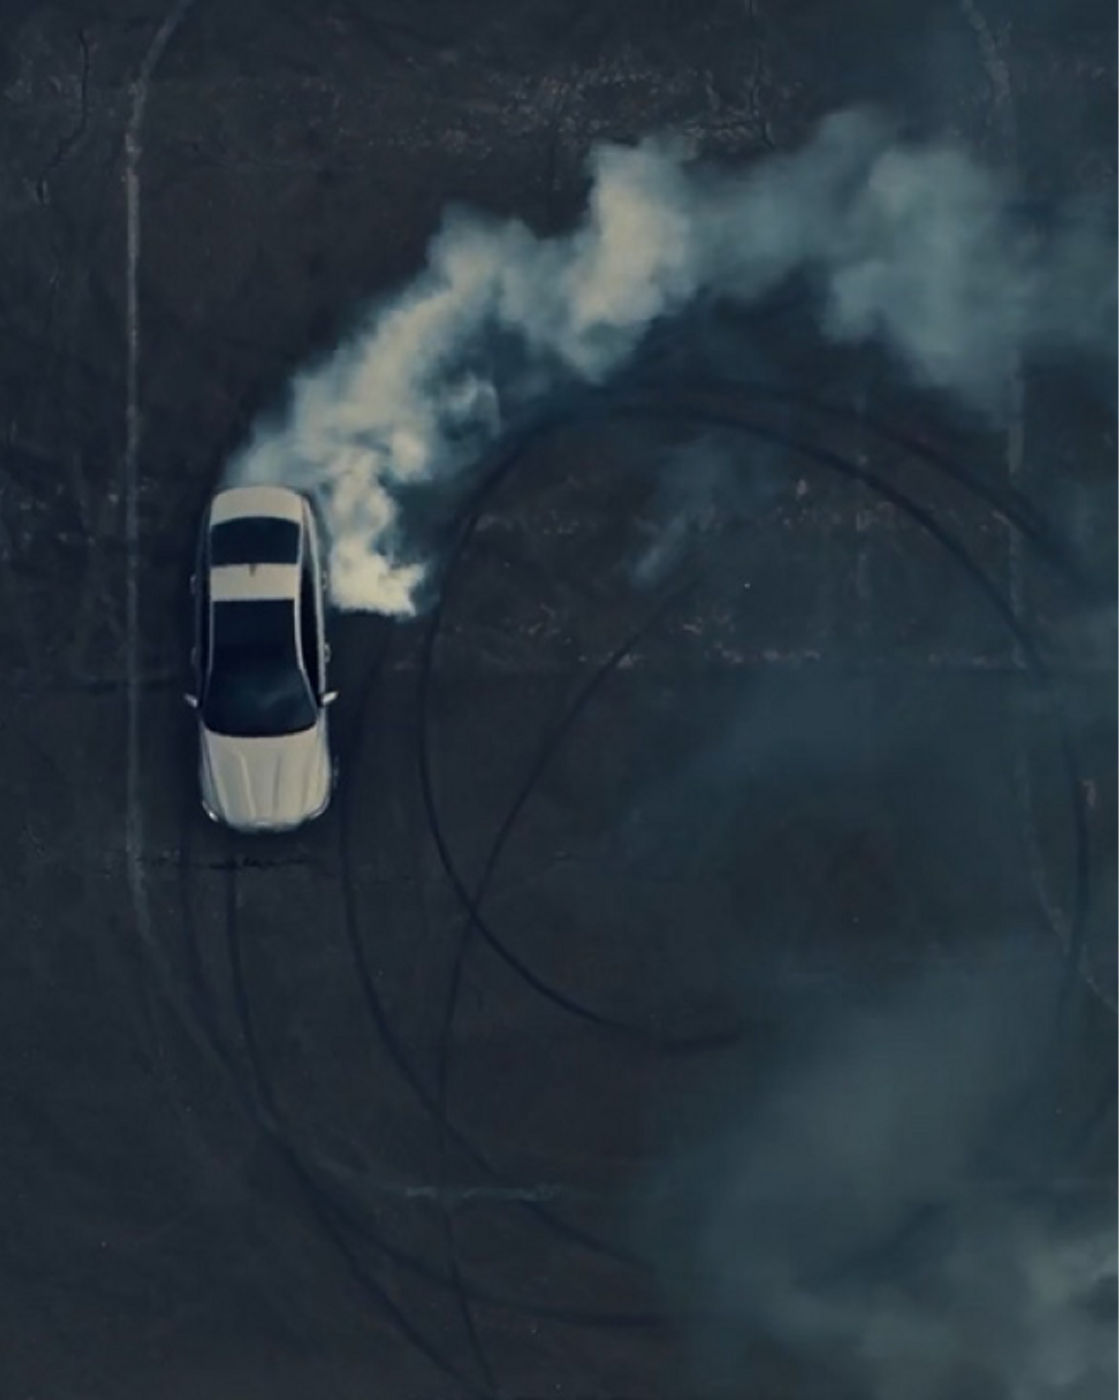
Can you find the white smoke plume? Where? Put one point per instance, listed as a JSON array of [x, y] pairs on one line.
[[911, 245]]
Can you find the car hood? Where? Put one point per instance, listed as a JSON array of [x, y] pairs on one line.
[[266, 784]]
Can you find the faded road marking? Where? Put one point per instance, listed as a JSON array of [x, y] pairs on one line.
[[133, 151]]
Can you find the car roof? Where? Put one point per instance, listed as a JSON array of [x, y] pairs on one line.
[[255, 576], [244, 583]]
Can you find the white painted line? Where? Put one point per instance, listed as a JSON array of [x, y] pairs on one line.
[[133, 151]]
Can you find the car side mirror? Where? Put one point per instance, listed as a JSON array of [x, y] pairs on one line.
[[330, 697], [191, 700]]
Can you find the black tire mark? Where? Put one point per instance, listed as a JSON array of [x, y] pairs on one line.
[[1082, 872], [330, 1196], [547, 751], [675, 409], [594, 1316], [458, 1286], [471, 902], [204, 1005], [274, 1128], [258, 1100], [319, 1176], [463, 531], [450, 1134], [323, 1205], [411, 1076], [1034, 663], [199, 992], [897, 498], [387, 1035], [323, 1208], [1082, 883]]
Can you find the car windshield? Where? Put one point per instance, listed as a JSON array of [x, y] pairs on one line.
[[254, 539], [256, 685]]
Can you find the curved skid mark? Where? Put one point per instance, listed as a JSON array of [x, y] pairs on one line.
[[467, 524], [627, 1030], [1004, 609], [322, 1207], [425, 1097], [570, 1233], [677, 409], [454, 1135], [456, 1282], [548, 750], [263, 1110]]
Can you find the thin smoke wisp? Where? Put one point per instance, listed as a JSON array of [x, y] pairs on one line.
[[858, 1212], [914, 246]]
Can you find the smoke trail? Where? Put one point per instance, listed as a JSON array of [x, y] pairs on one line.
[[914, 246], [698, 492]]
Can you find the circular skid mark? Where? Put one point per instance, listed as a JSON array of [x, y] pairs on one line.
[[320, 1179], [729, 417], [726, 413]]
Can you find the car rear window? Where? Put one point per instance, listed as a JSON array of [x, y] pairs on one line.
[[254, 539]]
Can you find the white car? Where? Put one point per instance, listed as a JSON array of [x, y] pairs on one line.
[[260, 661]]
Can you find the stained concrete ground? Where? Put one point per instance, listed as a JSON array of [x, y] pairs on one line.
[[284, 1117]]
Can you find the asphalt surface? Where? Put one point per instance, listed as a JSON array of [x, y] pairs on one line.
[[624, 821]]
